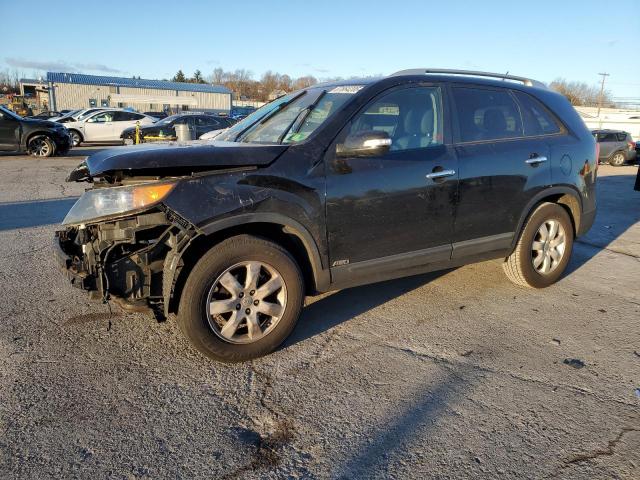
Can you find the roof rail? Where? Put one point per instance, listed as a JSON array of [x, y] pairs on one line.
[[444, 71]]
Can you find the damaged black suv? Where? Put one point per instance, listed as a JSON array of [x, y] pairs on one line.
[[333, 186]]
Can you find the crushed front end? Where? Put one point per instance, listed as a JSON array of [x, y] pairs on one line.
[[128, 260], [121, 243]]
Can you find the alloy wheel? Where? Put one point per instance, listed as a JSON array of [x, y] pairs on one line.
[[246, 302], [618, 159], [40, 147], [548, 247], [75, 138]]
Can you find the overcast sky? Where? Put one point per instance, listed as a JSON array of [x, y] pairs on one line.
[[543, 40]]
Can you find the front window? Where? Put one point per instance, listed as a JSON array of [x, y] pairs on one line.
[[6, 113], [291, 118]]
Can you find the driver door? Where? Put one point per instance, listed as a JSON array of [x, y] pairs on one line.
[[394, 210], [9, 133], [99, 127]]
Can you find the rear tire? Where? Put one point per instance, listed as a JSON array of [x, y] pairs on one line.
[[76, 138], [540, 258], [617, 159], [226, 321], [41, 146]]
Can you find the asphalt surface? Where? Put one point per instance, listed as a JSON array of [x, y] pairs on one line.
[[455, 374]]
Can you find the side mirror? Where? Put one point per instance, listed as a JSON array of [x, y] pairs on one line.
[[364, 144]]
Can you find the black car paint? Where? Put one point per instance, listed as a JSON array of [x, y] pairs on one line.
[[360, 220], [15, 134]]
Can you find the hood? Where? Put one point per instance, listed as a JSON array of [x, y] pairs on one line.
[[37, 122], [176, 158]]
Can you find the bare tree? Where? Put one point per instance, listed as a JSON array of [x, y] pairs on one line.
[[10, 81], [217, 77], [304, 82], [581, 93]]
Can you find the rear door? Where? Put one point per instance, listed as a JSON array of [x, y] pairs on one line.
[[500, 169], [122, 121], [204, 124], [608, 143]]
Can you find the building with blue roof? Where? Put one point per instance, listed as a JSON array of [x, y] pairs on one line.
[[77, 90]]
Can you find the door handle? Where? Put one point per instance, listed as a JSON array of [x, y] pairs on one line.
[[440, 174], [535, 160]]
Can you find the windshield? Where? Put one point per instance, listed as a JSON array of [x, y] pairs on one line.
[[10, 114], [291, 118]]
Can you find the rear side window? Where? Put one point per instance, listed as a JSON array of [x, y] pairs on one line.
[[536, 118], [607, 137], [622, 136], [206, 122], [486, 114], [126, 116]]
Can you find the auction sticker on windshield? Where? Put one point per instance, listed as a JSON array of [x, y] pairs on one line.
[[350, 89]]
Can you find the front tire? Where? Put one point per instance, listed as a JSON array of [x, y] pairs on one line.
[[617, 159], [543, 249], [41, 146], [241, 300]]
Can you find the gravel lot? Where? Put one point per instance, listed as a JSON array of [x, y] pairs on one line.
[[456, 374]]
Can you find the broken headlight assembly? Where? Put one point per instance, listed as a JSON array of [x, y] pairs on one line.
[[106, 202]]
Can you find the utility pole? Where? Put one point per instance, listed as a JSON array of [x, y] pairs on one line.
[[604, 76]]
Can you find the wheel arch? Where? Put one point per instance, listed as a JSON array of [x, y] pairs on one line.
[[37, 133], [286, 232], [563, 195]]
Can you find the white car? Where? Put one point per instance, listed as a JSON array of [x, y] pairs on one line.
[[105, 126], [212, 134], [74, 115]]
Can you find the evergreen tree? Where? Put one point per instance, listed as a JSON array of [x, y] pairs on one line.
[[179, 77]]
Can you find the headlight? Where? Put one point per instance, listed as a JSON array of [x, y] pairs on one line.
[[106, 202]]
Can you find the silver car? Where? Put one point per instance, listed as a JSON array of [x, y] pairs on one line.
[[616, 147]]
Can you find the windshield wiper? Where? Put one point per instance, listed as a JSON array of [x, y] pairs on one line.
[[270, 114], [297, 122]]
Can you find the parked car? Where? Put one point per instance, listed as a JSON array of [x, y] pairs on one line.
[[78, 114], [165, 128], [104, 125], [46, 115], [158, 115], [239, 113], [616, 147], [39, 138], [211, 135], [335, 185]]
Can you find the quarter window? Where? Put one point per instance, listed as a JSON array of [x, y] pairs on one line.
[[123, 117], [486, 114], [622, 137], [536, 118], [412, 117]]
